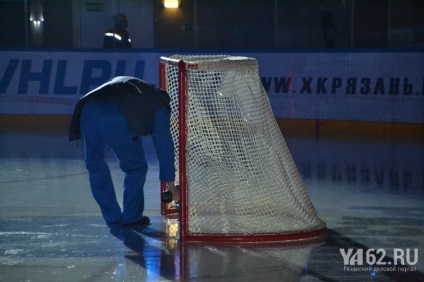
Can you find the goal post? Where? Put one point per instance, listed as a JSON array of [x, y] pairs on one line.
[[238, 181]]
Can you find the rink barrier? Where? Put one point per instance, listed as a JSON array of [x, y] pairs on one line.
[[316, 127]]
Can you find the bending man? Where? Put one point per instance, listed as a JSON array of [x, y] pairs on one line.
[[116, 115]]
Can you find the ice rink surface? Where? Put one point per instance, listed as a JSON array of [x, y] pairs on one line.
[[368, 189]]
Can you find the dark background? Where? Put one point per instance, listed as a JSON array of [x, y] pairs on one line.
[[231, 24]]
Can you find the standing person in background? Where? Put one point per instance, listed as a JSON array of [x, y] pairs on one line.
[[116, 115], [118, 37]]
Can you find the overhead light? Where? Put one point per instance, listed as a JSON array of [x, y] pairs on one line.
[[171, 3]]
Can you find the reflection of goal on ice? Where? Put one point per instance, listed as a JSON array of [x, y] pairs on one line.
[[237, 177]]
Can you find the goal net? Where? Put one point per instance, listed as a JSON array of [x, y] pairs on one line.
[[238, 181]]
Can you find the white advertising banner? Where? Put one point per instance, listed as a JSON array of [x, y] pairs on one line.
[[365, 86], [373, 86], [51, 82]]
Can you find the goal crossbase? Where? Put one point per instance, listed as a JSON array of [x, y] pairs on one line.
[[228, 238]]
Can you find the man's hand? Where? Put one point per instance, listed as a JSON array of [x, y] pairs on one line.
[[175, 192]]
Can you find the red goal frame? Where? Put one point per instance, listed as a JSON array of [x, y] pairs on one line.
[[183, 214]]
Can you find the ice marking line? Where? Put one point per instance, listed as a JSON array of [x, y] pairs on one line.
[[14, 251], [51, 177], [24, 233], [56, 225], [44, 178]]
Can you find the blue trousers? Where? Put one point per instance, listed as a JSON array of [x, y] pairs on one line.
[[104, 125]]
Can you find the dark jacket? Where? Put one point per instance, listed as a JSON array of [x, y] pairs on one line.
[[117, 39], [138, 100]]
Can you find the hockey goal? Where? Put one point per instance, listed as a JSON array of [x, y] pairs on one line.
[[238, 181]]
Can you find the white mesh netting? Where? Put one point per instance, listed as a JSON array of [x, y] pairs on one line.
[[241, 178]]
